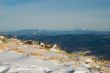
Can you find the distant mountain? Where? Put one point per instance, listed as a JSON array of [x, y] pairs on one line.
[[55, 32]]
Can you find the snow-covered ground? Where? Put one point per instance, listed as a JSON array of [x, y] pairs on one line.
[[12, 62]]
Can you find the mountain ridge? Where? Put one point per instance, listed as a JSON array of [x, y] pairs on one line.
[[55, 32]]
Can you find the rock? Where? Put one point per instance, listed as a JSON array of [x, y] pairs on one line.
[[2, 37], [97, 66], [89, 60], [108, 65], [42, 44], [63, 71], [87, 65], [54, 48], [30, 42]]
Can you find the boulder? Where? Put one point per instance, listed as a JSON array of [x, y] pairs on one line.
[[2, 37], [88, 60]]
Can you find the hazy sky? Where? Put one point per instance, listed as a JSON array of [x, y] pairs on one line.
[[54, 14]]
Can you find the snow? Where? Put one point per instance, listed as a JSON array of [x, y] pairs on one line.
[[82, 70], [27, 64], [3, 69]]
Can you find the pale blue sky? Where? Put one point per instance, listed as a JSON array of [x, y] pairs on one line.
[[54, 14]]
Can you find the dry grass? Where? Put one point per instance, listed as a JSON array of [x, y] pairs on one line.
[[36, 54], [97, 64], [3, 46], [18, 50]]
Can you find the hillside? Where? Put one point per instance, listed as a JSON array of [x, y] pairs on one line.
[[18, 56]]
